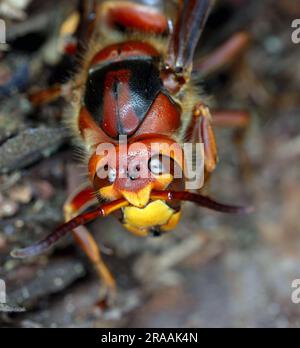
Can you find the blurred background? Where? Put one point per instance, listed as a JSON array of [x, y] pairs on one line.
[[214, 270]]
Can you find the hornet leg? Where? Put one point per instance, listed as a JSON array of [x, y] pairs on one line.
[[80, 201], [201, 131]]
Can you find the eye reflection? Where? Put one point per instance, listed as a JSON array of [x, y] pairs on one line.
[[112, 174], [156, 165]]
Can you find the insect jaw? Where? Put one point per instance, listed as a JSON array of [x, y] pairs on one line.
[[140, 198], [139, 194]]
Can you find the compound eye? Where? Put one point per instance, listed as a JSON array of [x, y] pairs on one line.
[[156, 165], [107, 173], [112, 174]]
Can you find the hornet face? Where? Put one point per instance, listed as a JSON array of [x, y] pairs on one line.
[[132, 171]]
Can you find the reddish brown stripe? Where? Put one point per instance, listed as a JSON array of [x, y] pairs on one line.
[[118, 114], [87, 123], [82, 198], [121, 51], [110, 105], [164, 117], [142, 18]]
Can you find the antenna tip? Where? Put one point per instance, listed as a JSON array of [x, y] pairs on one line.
[[18, 254]]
